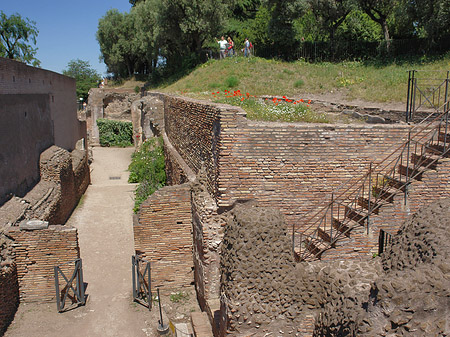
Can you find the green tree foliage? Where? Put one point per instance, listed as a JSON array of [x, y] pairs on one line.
[[433, 16], [17, 35], [379, 11], [85, 76]]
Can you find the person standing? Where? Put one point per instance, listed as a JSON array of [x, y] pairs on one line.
[[230, 47], [223, 47], [246, 47]]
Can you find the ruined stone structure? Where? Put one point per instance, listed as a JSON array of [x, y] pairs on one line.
[[37, 110], [289, 167], [44, 172], [110, 104]]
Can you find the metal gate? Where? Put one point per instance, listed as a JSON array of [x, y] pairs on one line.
[[73, 286], [141, 281], [426, 91]]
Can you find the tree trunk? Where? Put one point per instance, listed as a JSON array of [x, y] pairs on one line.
[[386, 34]]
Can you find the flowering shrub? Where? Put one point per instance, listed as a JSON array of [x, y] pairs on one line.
[[275, 109]]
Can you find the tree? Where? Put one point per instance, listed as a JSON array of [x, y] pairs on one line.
[[85, 76], [378, 11], [16, 36], [330, 14], [118, 44]]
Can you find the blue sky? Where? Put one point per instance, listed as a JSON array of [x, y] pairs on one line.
[[66, 29]]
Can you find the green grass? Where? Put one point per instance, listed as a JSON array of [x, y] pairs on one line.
[[369, 81]]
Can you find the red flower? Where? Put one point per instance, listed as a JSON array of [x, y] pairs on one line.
[[137, 136], [284, 97], [243, 98], [302, 100], [309, 101]]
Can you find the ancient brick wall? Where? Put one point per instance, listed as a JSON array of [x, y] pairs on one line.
[[9, 295], [163, 235], [36, 254], [289, 166], [37, 109]]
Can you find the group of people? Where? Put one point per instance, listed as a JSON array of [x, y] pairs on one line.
[[227, 47]]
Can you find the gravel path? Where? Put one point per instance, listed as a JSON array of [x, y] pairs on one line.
[[104, 222]]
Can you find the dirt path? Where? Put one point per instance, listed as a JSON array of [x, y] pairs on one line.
[[104, 222]]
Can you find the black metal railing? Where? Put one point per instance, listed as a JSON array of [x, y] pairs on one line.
[[353, 204], [384, 239], [73, 288], [141, 281]]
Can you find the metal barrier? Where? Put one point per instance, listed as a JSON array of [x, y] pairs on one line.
[[77, 296], [384, 239], [141, 281]]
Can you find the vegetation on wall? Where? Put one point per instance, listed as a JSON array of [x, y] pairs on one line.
[[115, 133], [148, 169]]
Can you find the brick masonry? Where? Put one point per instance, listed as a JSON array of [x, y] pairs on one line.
[[36, 254], [163, 235], [9, 295]]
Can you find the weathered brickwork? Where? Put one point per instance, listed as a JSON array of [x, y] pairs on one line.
[[9, 295], [36, 254], [194, 129], [285, 165], [163, 235], [37, 109]]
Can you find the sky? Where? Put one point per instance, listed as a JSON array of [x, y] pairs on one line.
[[66, 29]]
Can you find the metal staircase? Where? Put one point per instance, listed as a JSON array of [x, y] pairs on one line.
[[360, 198]]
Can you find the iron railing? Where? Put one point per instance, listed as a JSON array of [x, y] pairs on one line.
[[353, 204], [74, 284], [141, 281]]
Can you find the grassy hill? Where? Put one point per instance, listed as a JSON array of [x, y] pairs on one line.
[[371, 82]]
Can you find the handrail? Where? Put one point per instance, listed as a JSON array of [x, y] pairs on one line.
[[388, 165], [378, 165]]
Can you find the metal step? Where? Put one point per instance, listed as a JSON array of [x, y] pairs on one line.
[[325, 237], [353, 215], [399, 185], [437, 150], [424, 161], [363, 202], [410, 172], [339, 226], [380, 193], [313, 249], [444, 138]]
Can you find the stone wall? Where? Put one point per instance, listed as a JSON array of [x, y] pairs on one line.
[[411, 296], [263, 290], [37, 109], [64, 178], [9, 286], [163, 235], [36, 254], [291, 166], [147, 116]]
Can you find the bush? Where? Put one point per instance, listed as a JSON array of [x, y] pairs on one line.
[[231, 82], [115, 133], [137, 89], [148, 169], [299, 83]]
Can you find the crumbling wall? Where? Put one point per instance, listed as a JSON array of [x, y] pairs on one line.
[[9, 286], [163, 235], [110, 104], [37, 252], [64, 178], [37, 110], [147, 116], [411, 296], [264, 291]]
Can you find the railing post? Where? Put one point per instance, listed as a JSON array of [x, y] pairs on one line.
[[407, 166], [80, 281], [133, 262], [331, 216], [58, 295], [408, 98], [369, 206]]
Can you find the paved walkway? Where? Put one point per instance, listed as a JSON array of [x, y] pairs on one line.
[[104, 222]]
